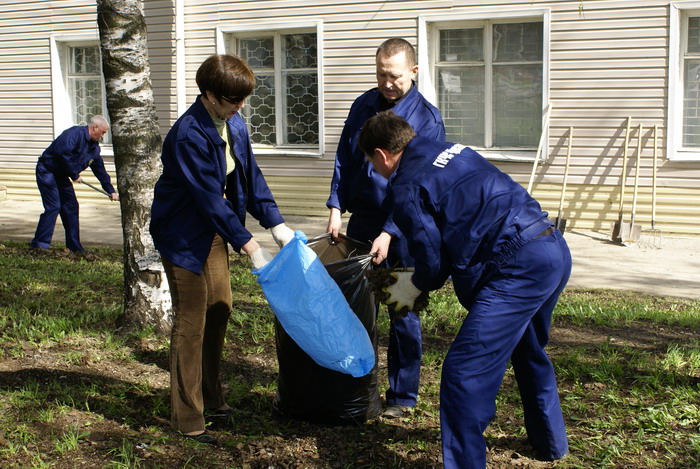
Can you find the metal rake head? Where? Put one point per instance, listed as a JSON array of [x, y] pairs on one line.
[[651, 238]]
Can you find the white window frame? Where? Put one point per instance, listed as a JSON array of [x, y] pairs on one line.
[[61, 100], [225, 37], [679, 13], [428, 27]]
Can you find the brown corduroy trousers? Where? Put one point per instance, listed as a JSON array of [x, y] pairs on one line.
[[202, 307]]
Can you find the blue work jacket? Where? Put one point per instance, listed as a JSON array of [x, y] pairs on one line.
[[72, 152], [356, 187], [460, 213], [194, 198]]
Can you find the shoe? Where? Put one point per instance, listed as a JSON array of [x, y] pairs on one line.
[[38, 250], [84, 254], [219, 418], [204, 437], [394, 411], [541, 457], [218, 413]]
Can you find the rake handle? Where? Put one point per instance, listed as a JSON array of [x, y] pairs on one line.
[[623, 177], [96, 188], [566, 171], [636, 173], [653, 178], [545, 123]]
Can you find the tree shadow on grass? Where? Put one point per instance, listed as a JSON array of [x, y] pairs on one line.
[[128, 403]]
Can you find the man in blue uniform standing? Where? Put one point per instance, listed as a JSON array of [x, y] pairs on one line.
[[360, 190], [466, 219], [58, 168]]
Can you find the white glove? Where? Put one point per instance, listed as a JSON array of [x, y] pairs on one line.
[[282, 234], [260, 258], [403, 293]]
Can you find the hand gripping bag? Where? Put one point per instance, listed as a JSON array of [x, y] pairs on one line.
[[314, 312]]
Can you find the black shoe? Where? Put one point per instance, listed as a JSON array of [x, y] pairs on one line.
[[205, 438], [219, 418], [394, 411]]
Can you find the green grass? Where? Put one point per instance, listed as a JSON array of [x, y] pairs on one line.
[[628, 367], [611, 307], [46, 299]]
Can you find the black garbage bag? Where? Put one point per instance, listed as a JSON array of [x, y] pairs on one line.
[[309, 392]]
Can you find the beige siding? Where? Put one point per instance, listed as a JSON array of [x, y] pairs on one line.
[[25, 79], [608, 60], [160, 21], [594, 208], [26, 114], [298, 195]]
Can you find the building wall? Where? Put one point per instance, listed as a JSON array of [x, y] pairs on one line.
[[26, 122], [585, 207], [608, 61], [160, 22], [26, 114]]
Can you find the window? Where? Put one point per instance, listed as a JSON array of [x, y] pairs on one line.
[[488, 78], [684, 83], [78, 84], [84, 80], [283, 111], [691, 84], [490, 84]]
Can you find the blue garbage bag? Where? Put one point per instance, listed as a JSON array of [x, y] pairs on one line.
[[313, 310]]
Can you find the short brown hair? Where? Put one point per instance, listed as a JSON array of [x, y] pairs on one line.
[[395, 45], [386, 130], [227, 76]]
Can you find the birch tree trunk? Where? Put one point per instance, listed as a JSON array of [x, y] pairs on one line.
[[137, 145]]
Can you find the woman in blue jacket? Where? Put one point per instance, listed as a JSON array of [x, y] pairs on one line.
[[210, 180], [466, 219]]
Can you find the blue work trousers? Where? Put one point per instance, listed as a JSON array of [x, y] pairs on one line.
[[405, 342], [58, 198], [509, 319]]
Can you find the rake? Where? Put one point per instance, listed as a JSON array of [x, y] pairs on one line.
[[103, 192], [630, 233], [559, 221], [619, 226], [654, 233], [540, 147]]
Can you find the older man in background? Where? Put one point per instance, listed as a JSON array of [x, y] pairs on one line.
[[58, 168]]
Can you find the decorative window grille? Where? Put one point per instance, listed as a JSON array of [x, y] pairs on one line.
[[284, 108], [84, 84]]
